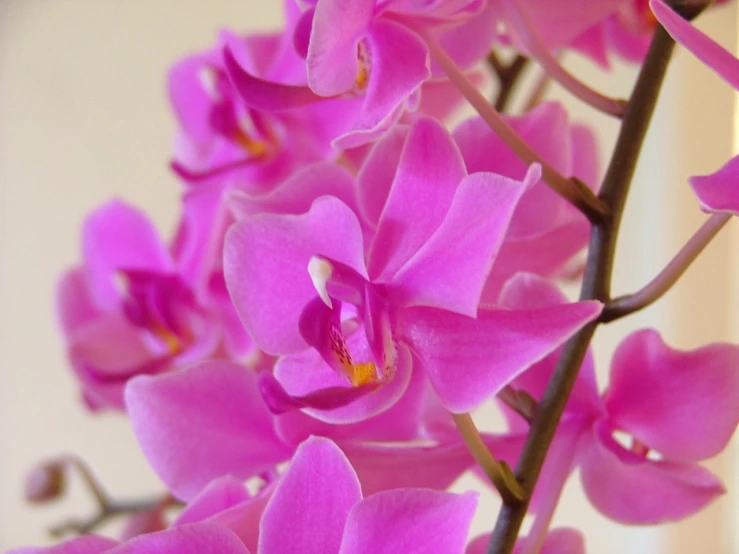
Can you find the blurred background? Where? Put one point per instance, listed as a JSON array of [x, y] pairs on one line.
[[84, 117]]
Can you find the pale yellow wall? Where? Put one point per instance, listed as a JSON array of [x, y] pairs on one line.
[[83, 117]]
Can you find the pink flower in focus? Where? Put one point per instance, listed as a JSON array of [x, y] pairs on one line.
[[136, 306], [406, 298]]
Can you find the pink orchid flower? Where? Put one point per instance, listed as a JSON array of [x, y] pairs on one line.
[[677, 407], [546, 232], [136, 306], [564, 540], [360, 59], [407, 299], [717, 192], [222, 140]]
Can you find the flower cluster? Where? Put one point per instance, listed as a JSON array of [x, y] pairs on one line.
[[352, 275]]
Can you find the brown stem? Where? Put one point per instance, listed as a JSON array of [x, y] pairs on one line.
[[107, 508], [499, 473], [508, 77], [596, 284], [665, 279]]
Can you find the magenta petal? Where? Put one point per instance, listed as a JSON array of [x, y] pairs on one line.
[[220, 494], [410, 520], [719, 191], [74, 305], [527, 291], [117, 236], [384, 467], [265, 95], [306, 375], [469, 360], [87, 544], [326, 399], [270, 291], [196, 538], [310, 505], [400, 422], [450, 270], [641, 491], [378, 173], [704, 48], [332, 53], [296, 194], [400, 65], [684, 404], [202, 423], [428, 174]]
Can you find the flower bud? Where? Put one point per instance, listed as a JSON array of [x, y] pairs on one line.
[[45, 482]]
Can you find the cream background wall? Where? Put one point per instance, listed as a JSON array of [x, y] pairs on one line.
[[83, 117]]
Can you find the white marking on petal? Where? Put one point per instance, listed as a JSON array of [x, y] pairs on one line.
[[320, 271]]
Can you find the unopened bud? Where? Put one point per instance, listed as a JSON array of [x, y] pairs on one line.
[[46, 482]]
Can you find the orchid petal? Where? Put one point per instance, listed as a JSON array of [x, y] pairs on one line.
[[385, 467], [701, 46], [265, 95], [400, 64], [684, 404], [470, 360], [450, 270], [400, 422], [306, 373], [218, 495], [634, 490], [428, 174], [378, 173], [196, 538], [409, 520], [116, 237], [296, 194], [74, 305], [530, 292], [202, 423], [311, 502], [269, 291], [719, 191], [332, 52]]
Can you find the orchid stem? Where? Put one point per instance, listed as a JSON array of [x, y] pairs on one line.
[[570, 189], [665, 279], [519, 401], [106, 507], [527, 35], [542, 522], [596, 285], [508, 77], [499, 473]]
